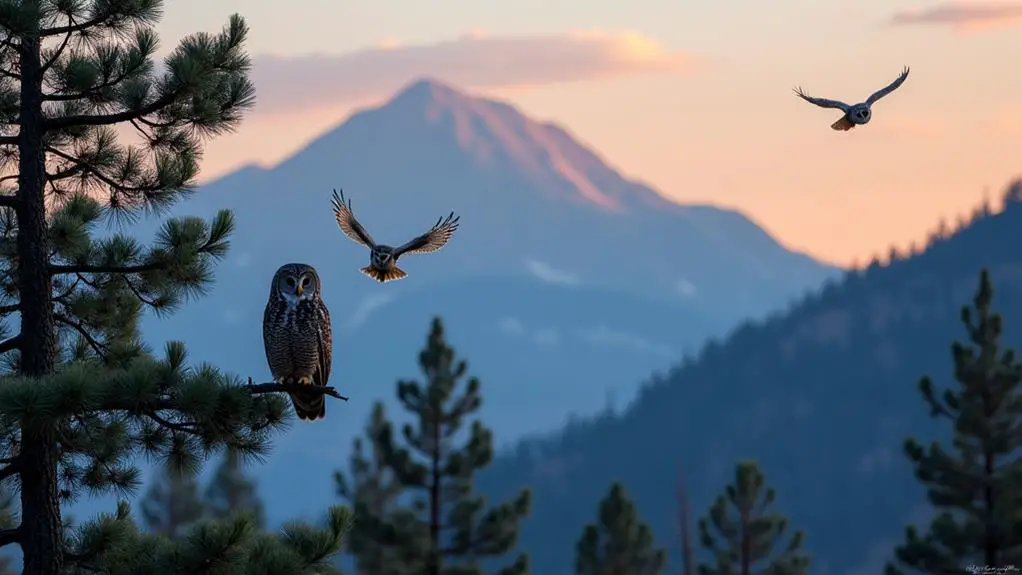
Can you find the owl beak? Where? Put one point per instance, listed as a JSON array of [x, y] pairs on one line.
[[299, 289]]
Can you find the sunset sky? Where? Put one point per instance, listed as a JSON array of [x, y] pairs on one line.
[[693, 98]]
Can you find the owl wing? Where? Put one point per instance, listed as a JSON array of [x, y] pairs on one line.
[[324, 339], [822, 102], [347, 222], [432, 240], [890, 87]]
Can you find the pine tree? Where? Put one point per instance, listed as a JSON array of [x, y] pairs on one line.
[[172, 503], [744, 542], [976, 484], [85, 396], [232, 491], [620, 543], [370, 487], [446, 531]]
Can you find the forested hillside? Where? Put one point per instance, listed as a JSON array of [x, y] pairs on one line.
[[822, 396]]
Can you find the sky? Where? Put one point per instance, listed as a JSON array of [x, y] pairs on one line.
[[692, 98]]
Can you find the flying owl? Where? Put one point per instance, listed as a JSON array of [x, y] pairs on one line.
[[383, 259], [858, 114], [296, 335]]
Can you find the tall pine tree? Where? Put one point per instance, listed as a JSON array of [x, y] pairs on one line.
[[976, 483], [619, 543], [172, 503], [232, 491], [446, 530], [370, 487], [745, 541], [85, 397]]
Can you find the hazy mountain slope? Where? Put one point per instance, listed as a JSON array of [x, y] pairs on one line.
[[823, 396], [595, 280]]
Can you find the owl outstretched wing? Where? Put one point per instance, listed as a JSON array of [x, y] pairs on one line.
[[347, 222], [822, 102], [890, 87], [432, 240]]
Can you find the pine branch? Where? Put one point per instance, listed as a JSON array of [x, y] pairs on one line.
[[64, 122], [96, 346], [8, 201], [72, 28], [9, 308], [92, 269], [10, 344], [257, 389], [60, 49], [8, 536], [92, 170]]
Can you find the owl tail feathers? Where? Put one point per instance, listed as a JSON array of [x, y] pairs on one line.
[[383, 276], [309, 407], [844, 124]]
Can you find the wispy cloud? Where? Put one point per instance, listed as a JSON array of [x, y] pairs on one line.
[[366, 307], [962, 15], [605, 336], [473, 60], [547, 273]]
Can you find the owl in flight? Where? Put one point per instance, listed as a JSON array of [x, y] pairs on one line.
[[383, 259], [296, 335], [858, 114]]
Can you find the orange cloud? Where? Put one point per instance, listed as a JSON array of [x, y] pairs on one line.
[[963, 16], [473, 60]]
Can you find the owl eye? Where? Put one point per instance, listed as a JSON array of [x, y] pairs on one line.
[[305, 281], [291, 281]]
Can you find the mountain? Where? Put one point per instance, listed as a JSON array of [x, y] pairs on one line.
[[823, 396], [565, 285]]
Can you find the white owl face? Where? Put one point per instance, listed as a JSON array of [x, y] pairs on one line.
[[297, 283]]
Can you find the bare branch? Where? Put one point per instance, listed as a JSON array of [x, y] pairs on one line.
[[261, 388], [12, 468], [10, 344], [8, 536]]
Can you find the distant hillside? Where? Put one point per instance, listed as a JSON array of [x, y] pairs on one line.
[[822, 395]]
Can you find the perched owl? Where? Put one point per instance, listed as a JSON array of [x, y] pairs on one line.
[[296, 335], [858, 114], [383, 259]]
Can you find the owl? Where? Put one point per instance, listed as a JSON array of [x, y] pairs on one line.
[[296, 336], [858, 114], [383, 259]]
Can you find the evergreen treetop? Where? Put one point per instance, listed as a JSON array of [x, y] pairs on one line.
[[976, 483], [620, 543], [742, 534], [171, 504], [446, 528]]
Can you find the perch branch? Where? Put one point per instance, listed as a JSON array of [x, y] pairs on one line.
[[10, 343], [8, 536], [261, 388]]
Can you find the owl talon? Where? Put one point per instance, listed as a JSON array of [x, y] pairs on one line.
[[305, 380]]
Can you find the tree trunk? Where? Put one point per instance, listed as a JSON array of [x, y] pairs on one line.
[[42, 532]]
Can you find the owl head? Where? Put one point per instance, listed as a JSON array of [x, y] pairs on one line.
[[860, 114], [382, 257], [295, 283]]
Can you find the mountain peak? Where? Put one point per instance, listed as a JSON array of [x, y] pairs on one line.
[[424, 91]]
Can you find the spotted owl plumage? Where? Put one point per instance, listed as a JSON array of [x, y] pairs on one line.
[[855, 114], [297, 336], [383, 259]]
